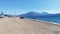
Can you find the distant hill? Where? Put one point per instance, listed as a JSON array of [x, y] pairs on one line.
[[33, 14], [38, 15]]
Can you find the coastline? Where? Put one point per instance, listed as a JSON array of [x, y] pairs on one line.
[[55, 23]]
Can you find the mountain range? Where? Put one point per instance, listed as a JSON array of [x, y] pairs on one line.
[[43, 14]]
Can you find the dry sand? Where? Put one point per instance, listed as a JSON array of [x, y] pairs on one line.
[[26, 26]]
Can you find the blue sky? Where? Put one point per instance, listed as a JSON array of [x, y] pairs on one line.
[[23, 6]]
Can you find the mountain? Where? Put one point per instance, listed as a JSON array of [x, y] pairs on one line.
[[33, 14], [44, 13], [30, 14], [40, 15]]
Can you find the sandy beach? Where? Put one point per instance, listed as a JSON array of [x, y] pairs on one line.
[[27, 26]]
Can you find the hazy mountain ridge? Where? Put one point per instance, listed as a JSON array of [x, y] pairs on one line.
[[43, 14], [33, 14]]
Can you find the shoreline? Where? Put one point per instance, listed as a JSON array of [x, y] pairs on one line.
[[54, 23]]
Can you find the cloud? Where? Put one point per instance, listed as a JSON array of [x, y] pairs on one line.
[[53, 11], [49, 11]]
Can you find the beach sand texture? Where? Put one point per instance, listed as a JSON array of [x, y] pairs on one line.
[[26, 26]]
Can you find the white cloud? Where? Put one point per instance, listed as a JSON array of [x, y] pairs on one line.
[[49, 11], [53, 11]]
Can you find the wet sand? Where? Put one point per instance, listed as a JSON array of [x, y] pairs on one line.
[[27, 26]]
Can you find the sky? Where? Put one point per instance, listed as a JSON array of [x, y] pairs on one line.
[[16, 7]]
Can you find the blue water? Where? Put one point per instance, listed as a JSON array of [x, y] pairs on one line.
[[50, 19]]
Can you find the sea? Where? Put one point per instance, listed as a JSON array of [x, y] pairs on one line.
[[50, 19]]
